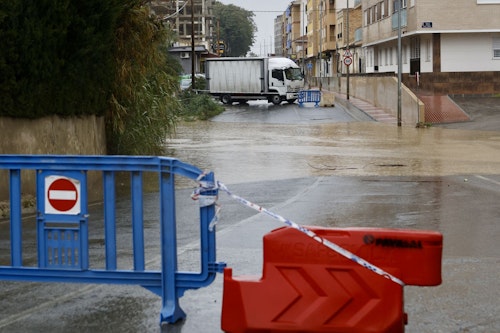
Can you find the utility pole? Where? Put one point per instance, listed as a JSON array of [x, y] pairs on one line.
[[193, 54], [399, 62], [218, 41], [320, 44]]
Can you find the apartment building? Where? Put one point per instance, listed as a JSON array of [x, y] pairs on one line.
[[326, 37], [279, 29], [313, 64], [177, 13], [453, 45], [349, 36], [293, 17]]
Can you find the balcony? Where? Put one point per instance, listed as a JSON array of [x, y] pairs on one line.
[[404, 20], [358, 35]]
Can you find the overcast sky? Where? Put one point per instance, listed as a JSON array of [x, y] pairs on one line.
[[265, 12]]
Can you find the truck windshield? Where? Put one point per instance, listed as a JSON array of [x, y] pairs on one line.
[[293, 74]]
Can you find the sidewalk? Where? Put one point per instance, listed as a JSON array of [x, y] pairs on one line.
[[374, 112]]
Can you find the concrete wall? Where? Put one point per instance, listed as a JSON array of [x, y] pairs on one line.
[[381, 91], [51, 135]]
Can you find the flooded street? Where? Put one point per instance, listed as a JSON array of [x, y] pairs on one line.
[[242, 152], [373, 174], [315, 166]]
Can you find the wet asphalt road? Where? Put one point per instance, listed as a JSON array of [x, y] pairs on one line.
[[315, 166]]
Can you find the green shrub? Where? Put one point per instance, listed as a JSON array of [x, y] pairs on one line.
[[198, 106], [143, 108], [94, 57], [56, 56]]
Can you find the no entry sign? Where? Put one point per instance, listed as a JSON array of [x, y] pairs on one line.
[[62, 195]]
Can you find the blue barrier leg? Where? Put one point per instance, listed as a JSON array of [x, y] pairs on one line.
[[15, 218], [171, 311]]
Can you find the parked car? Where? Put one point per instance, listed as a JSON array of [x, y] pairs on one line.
[[185, 81]]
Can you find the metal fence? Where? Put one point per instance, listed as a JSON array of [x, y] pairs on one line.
[[309, 96]]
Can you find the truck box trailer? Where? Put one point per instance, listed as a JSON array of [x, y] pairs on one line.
[[243, 79]]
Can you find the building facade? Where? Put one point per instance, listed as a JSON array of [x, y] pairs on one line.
[[447, 46], [435, 44], [187, 19], [279, 28]]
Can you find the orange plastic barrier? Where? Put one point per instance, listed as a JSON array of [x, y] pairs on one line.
[[307, 287]]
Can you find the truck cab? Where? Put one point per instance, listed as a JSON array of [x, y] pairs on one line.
[[285, 78]]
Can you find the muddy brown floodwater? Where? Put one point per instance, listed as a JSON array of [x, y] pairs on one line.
[[239, 152]]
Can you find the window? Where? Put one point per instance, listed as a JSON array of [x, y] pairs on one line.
[[395, 5], [428, 50], [278, 74], [415, 48], [496, 47]]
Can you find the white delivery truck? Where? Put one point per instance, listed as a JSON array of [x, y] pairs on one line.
[[244, 79]]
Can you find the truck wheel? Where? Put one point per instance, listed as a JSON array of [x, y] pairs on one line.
[[276, 99], [226, 99]]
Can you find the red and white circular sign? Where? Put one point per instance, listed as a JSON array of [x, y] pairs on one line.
[[62, 195]]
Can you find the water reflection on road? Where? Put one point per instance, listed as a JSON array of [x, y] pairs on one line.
[[242, 152]]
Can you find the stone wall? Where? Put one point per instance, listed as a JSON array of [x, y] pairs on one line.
[[55, 136]]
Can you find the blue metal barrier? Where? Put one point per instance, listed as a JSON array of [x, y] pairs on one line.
[[62, 221], [309, 96]]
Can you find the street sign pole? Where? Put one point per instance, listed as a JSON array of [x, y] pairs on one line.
[[348, 49]]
